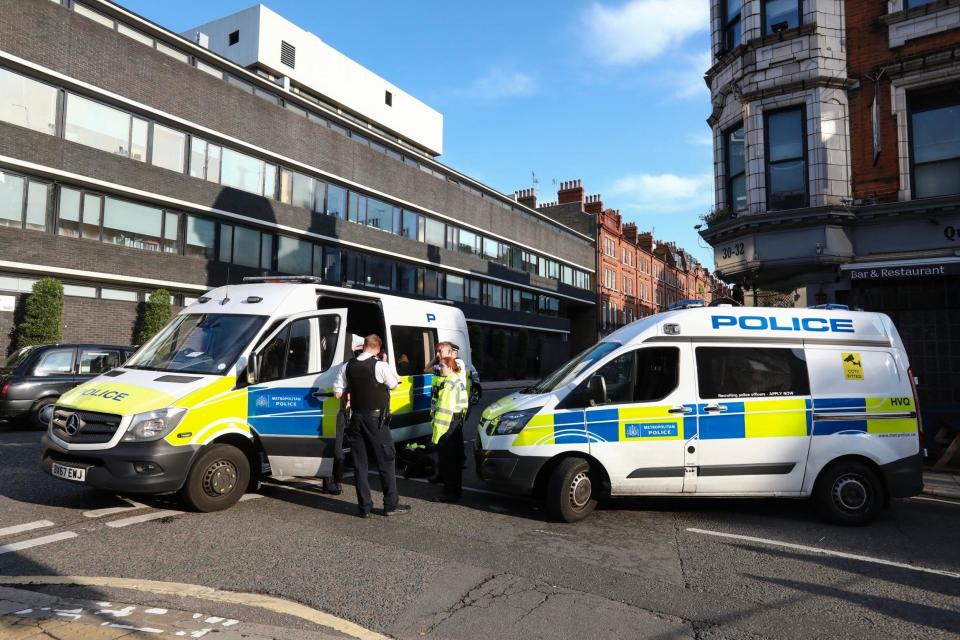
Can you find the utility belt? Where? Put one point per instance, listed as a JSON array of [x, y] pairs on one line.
[[383, 416]]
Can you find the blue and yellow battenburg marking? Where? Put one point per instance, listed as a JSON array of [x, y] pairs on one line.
[[761, 418], [411, 395]]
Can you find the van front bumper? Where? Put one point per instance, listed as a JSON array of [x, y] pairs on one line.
[[904, 477], [114, 469], [506, 470]]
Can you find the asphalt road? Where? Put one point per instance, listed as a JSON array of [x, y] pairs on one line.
[[496, 567]]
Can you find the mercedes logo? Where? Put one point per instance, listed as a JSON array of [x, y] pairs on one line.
[[73, 425]]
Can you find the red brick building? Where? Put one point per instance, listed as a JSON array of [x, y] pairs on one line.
[[636, 276]]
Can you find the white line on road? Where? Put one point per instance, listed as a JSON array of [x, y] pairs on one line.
[[36, 542], [954, 503], [826, 552], [126, 522], [110, 511], [29, 526]]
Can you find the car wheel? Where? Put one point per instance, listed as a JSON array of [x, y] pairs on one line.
[[218, 479], [41, 406], [570, 492], [848, 493]]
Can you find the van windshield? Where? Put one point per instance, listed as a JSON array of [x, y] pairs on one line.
[[575, 367], [199, 343]]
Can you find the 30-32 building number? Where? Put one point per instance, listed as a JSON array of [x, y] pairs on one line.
[[734, 250]]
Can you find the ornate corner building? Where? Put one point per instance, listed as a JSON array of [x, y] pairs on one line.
[[836, 130]]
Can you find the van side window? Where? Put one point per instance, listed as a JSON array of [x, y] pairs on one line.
[[273, 356], [413, 348], [644, 375], [55, 362], [738, 372], [94, 361]]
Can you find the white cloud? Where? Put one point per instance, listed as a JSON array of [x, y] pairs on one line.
[[502, 83], [643, 29], [704, 139], [665, 193]]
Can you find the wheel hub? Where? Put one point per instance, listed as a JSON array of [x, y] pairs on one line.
[[580, 490], [220, 478], [850, 493]]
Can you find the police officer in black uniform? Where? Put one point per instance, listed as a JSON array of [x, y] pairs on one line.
[[369, 380]]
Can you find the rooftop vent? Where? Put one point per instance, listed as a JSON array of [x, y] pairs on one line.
[[288, 54]]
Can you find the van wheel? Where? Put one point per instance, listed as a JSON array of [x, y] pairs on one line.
[[218, 478], [848, 492], [38, 409], [570, 492]]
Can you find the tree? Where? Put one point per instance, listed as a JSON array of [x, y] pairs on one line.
[[157, 314], [42, 314]]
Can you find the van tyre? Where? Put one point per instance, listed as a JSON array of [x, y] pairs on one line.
[[849, 493], [37, 410], [218, 479], [571, 491]]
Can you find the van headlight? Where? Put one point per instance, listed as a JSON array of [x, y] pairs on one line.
[[153, 425], [512, 422]]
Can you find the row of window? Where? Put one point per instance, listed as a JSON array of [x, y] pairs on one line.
[[306, 94], [34, 105], [24, 203], [934, 121], [23, 284], [776, 16]]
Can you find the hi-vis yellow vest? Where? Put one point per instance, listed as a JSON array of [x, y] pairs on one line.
[[450, 391]]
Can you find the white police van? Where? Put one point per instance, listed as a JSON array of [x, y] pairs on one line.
[[718, 401], [240, 384]]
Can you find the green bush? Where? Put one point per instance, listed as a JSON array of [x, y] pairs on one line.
[[157, 314], [43, 314]]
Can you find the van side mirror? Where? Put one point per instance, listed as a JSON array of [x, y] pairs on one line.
[[253, 367], [597, 390]]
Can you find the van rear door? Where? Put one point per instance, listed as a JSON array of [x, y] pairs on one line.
[[753, 418], [292, 407]]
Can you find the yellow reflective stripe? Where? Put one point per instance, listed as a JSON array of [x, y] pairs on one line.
[[895, 425], [775, 418], [539, 431]]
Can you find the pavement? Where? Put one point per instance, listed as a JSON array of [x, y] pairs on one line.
[[290, 562], [944, 484]]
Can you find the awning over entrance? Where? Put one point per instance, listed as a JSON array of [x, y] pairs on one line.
[[903, 269]]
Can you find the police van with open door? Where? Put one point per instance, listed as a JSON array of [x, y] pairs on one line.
[[718, 401], [240, 385]]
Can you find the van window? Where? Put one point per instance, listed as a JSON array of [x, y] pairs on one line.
[[643, 375], [55, 363], [288, 354], [740, 372], [94, 361], [565, 374], [413, 348]]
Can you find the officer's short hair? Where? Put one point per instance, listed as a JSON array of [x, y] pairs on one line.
[[372, 341]]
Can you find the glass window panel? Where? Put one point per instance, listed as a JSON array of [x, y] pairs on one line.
[[429, 283], [97, 125], [93, 15], [473, 289], [55, 363], [468, 241], [266, 251], [301, 190], [566, 275], [214, 153], [781, 11], [97, 361], [435, 232], [198, 157], [246, 247], [68, 213], [331, 264], [27, 103], [735, 151], [319, 196], [410, 225], [79, 291], [785, 135], [136, 35], [937, 178], [171, 228], [226, 242], [379, 214], [241, 171], [209, 68], [294, 256], [358, 208], [787, 184], [379, 273], [455, 289], [131, 225], [493, 296], [173, 53], [317, 260], [119, 294], [733, 9], [453, 237], [491, 249], [406, 279], [936, 134], [200, 238], [138, 139], [738, 192], [169, 148], [38, 194], [396, 226], [336, 201], [11, 200], [92, 210]]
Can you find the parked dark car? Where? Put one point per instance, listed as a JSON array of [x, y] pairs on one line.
[[34, 377]]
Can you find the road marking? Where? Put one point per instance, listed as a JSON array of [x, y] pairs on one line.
[[270, 603], [29, 526], [826, 552], [109, 511], [956, 504], [126, 522], [36, 542]]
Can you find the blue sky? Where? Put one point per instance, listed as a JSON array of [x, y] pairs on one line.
[[610, 92]]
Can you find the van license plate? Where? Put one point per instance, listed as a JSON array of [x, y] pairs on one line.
[[77, 474]]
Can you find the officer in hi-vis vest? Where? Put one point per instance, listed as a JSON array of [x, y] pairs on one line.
[[447, 436]]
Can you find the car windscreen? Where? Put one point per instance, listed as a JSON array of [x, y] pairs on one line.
[[199, 343], [16, 358], [575, 367]]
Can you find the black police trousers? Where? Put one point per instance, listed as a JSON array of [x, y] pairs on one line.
[[450, 459], [369, 438], [333, 482]]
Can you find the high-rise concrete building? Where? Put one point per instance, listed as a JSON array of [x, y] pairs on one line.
[[836, 131], [133, 158]]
